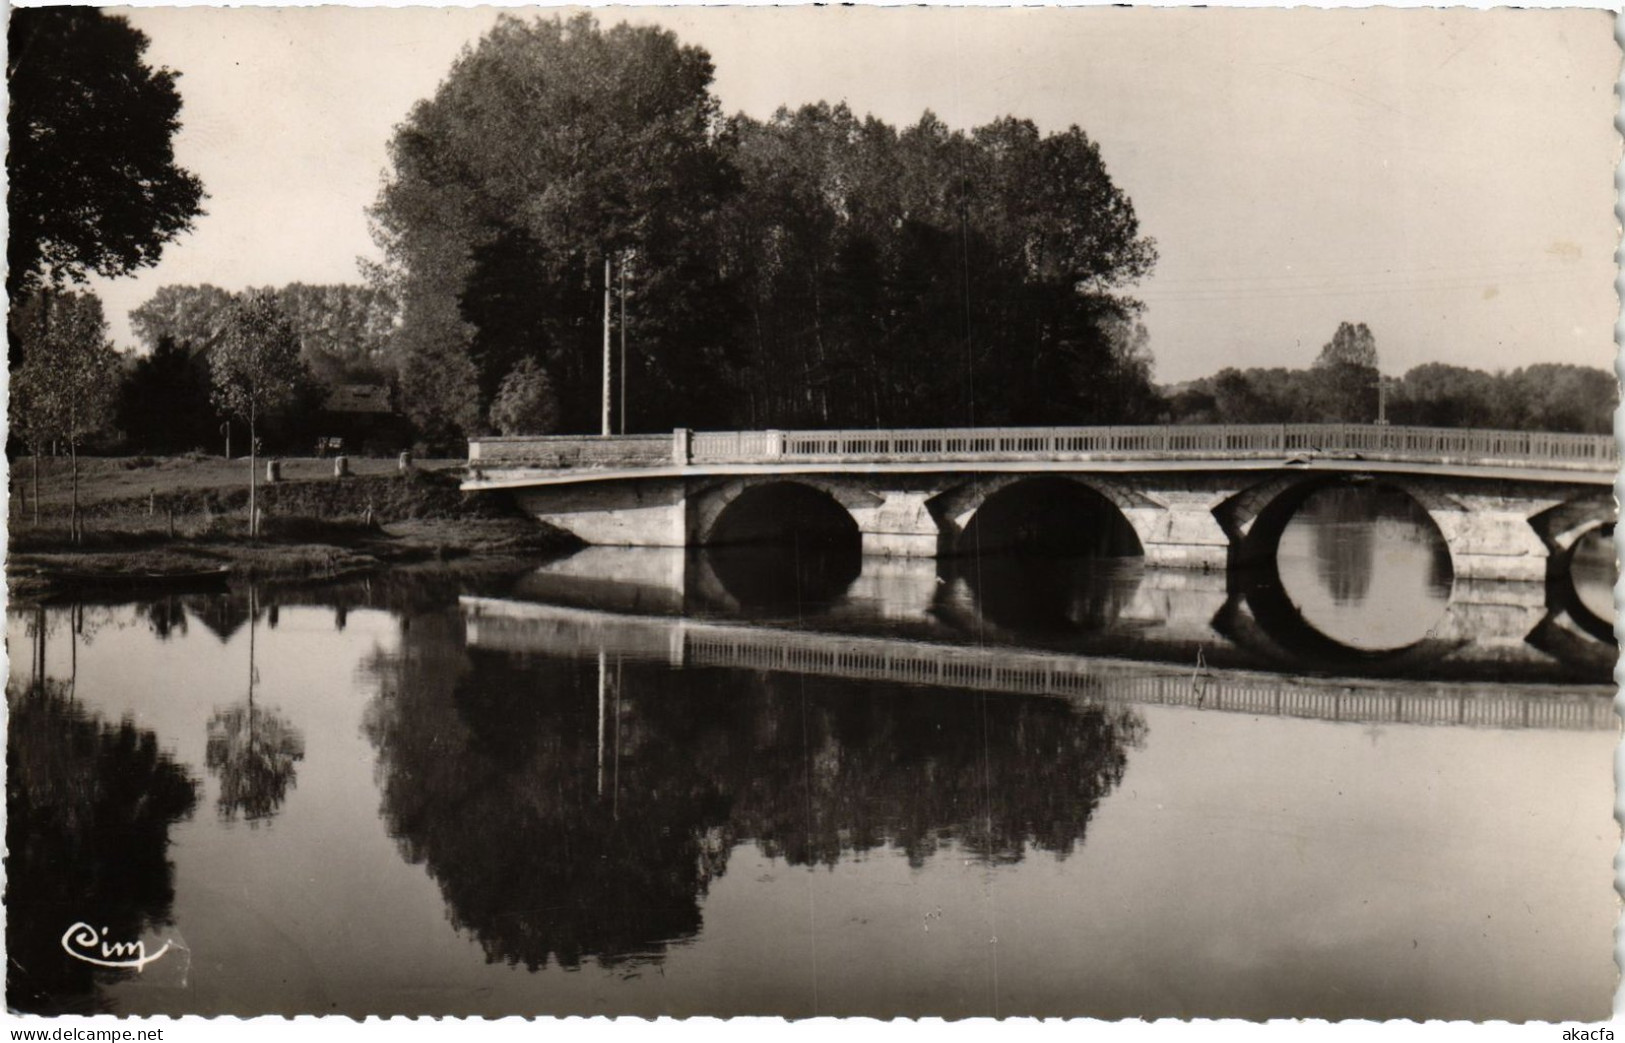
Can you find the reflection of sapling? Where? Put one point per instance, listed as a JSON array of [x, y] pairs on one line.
[[253, 751]]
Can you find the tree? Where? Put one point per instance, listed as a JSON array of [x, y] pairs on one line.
[[93, 182], [928, 276], [255, 370], [1351, 345], [551, 146], [525, 404], [343, 330], [1552, 396], [164, 403], [811, 269], [193, 317], [1435, 394], [65, 389], [1346, 375]]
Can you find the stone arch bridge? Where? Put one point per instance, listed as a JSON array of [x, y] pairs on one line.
[[1508, 505]]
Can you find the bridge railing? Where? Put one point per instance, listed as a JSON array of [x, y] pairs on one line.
[[1231, 441]]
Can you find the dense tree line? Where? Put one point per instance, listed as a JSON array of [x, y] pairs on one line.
[[1542, 397], [813, 269], [343, 329]]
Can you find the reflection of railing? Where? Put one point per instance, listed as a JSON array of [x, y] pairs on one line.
[[533, 627], [1229, 442]]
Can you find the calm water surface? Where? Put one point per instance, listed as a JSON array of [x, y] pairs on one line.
[[648, 783]]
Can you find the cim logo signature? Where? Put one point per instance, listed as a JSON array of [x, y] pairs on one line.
[[83, 942]]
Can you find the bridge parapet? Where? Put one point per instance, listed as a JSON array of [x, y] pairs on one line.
[[1438, 446], [561, 452]]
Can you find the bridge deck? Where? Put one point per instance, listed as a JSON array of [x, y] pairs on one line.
[[1534, 455]]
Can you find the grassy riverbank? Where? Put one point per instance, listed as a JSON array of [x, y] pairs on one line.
[[184, 515]]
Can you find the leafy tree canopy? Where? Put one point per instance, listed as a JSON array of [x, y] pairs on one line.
[[93, 181], [552, 146], [164, 404], [1352, 345], [192, 317]]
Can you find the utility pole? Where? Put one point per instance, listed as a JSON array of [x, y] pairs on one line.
[[605, 430], [623, 345]]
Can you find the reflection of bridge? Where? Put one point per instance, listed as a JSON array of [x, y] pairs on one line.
[[535, 628], [1488, 629], [1504, 502]]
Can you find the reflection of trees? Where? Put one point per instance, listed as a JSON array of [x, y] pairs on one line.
[[1345, 522], [548, 845], [252, 750], [89, 806], [1342, 530], [222, 614], [914, 767], [488, 778], [165, 616]]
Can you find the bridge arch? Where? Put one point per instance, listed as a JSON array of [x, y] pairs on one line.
[[1257, 517], [1055, 514], [772, 509]]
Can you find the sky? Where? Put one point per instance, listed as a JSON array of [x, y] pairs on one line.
[[1444, 176]]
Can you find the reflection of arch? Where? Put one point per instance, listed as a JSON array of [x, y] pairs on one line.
[[797, 578], [1056, 514], [774, 509], [1563, 594], [1261, 618], [1595, 657], [1029, 596]]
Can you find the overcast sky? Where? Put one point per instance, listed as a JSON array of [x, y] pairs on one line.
[[1445, 177]]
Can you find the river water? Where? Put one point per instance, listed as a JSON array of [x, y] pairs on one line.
[[780, 782]]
